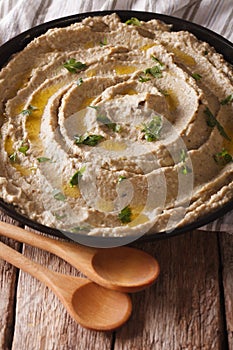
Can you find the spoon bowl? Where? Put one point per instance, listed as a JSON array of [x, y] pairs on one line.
[[92, 306], [127, 268]]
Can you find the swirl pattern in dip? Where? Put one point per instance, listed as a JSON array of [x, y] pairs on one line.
[[111, 128]]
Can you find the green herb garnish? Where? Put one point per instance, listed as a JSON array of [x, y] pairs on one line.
[[157, 60], [13, 157], [153, 129], [106, 121], [79, 81], [223, 157], [212, 122], [196, 76], [59, 217], [227, 100], [76, 177], [134, 21], [29, 110], [121, 178], [43, 159], [155, 71], [59, 196], [74, 66], [103, 42], [24, 147], [184, 168], [89, 140], [125, 215], [142, 79]]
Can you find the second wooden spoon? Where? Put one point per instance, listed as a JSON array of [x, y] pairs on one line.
[[91, 305], [123, 268]]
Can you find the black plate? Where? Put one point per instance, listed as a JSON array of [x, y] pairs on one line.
[[16, 44]]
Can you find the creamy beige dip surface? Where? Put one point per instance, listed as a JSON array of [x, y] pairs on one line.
[[114, 128]]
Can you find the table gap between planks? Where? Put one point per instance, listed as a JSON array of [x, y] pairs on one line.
[[189, 307]]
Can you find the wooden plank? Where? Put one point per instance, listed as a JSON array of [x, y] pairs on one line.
[[182, 310], [8, 283], [41, 321], [226, 244]]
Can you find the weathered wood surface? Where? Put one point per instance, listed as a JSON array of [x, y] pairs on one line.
[[226, 248], [8, 284], [189, 306]]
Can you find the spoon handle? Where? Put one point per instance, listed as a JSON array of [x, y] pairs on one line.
[[22, 262], [59, 248]]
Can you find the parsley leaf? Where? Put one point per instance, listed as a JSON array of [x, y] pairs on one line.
[[43, 159], [103, 42], [153, 129], [155, 71], [79, 81], [196, 76], [223, 157], [121, 178], [227, 100], [212, 122], [24, 147], [74, 66], [157, 60], [142, 79], [86, 139], [29, 110], [184, 168], [134, 21], [59, 196], [125, 215], [13, 157], [106, 121], [76, 177]]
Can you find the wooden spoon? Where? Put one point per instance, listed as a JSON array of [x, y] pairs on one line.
[[91, 305], [123, 268]]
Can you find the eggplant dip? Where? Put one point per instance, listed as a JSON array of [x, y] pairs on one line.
[[111, 128]]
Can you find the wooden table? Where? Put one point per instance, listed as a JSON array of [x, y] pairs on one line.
[[189, 307]]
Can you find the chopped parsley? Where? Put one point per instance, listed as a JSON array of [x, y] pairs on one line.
[[74, 66], [134, 21], [24, 147], [13, 157], [157, 60], [196, 76], [121, 178], [103, 42], [89, 140], [227, 100], [152, 130], [155, 71], [29, 110], [212, 122], [106, 121], [76, 177], [43, 159], [142, 79], [223, 157], [59, 217], [125, 215], [184, 168], [59, 196], [79, 81]]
